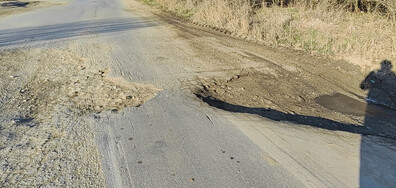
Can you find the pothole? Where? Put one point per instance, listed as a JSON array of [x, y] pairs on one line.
[[288, 98]]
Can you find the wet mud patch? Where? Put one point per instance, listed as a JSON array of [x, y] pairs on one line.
[[286, 98], [15, 4], [348, 105], [44, 137]]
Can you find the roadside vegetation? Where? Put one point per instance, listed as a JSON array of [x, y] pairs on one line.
[[362, 32]]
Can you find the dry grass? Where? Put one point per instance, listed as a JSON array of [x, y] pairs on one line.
[[362, 32], [361, 38]]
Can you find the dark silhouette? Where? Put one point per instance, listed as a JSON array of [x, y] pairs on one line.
[[381, 85], [378, 141], [377, 167]]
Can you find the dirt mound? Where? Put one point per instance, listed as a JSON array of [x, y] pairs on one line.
[[283, 97], [45, 139]]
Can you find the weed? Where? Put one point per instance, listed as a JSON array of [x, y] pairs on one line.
[[362, 32]]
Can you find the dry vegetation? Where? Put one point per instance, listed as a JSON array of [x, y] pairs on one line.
[[360, 31]]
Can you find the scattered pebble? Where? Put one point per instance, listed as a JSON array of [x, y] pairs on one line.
[[232, 158], [130, 138], [191, 180], [140, 162]]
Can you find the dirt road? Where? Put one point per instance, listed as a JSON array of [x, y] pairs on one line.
[[117, 94]]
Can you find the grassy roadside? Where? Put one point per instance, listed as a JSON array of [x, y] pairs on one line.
[[363, 32]]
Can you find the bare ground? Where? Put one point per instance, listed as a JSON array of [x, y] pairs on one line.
[[44, 137], [282, 95], [45, 140], [294, 86]]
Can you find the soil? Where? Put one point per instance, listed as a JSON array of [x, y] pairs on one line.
[[45, 94], [294, 86], [286, 96]]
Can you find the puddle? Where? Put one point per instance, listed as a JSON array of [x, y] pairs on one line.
[[15, 4], [347, 105]]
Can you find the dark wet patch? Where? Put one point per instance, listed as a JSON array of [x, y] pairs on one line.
[[15, 4], [348, 105]]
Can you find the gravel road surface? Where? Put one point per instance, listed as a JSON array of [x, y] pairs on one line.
[[102, 93]]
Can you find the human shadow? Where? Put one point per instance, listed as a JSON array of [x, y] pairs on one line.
[[378, 140], [18, 36], [377, 155]]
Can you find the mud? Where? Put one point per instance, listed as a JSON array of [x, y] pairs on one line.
[[348, 105], [292, 85], [45, 95], [14, 4], [282, 98]]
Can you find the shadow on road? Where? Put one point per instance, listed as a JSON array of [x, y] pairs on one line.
[[377, 165], [295, 118], [68, 30], [378, 141]]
